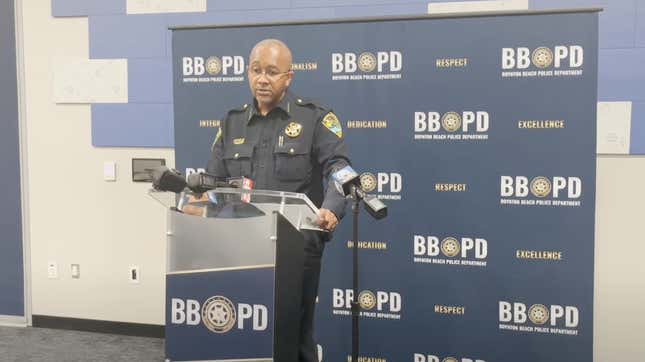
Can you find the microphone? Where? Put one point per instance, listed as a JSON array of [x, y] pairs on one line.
[[348, 182], [165, 179], [375, 207], [243, 183], [201, 182]]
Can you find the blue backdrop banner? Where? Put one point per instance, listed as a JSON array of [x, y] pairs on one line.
[[480, 135]]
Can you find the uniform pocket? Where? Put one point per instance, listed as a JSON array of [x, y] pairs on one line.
[[292, 161], [237, 159]]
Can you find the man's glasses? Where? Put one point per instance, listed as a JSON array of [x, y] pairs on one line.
[[271, 74]]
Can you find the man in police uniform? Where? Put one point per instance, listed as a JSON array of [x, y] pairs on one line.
[[286, 143]]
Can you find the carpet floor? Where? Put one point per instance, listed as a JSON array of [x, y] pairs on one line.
[[53, 345]]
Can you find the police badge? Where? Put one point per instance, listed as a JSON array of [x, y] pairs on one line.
[[540, 186], [293, 129], [367, 300], [542, 57], [450, 247], [538, 314], [367, 62], [213, 65], [451, 121], [368, 181], [218, 314]]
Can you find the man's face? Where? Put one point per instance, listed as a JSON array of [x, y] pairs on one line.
[[269, 74]]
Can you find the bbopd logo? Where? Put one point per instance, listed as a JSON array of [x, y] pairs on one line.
[[539, 318], [571, 56], [213, 68], [374, 304], [219, 314], [367, 65], [543, 61], [420, 357], [541, 190], [450, 250], [387, 185], [466, 125], [213, 65]]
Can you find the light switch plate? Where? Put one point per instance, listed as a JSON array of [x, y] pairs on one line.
[[109, 171]]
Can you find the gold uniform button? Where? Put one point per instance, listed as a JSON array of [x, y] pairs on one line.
[[299, 100], [292, 150], [236, 155]]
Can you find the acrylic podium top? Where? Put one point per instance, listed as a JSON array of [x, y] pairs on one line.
[[235, 203]]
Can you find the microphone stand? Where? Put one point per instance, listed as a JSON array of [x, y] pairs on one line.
[[356, 308]]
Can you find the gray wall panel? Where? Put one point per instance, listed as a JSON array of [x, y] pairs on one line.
[[11, 260]]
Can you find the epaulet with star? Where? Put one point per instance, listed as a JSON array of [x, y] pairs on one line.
[[241, 108], [311, 103]]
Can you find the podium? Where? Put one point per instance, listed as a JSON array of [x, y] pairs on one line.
[[234, 274]]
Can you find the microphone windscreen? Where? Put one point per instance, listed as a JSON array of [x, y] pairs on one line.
[[165, 179], [157, 173]]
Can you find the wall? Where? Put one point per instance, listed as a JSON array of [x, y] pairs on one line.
[[619, 269], [76, 217]]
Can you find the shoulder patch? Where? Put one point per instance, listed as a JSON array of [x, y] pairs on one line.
[[331, 122]]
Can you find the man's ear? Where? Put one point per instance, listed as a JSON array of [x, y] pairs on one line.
[[289, 77]]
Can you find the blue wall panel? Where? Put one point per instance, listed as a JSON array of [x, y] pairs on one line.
[[127, 36], [340, 3], [622, 74], [103, 7], [638, 128], [149, 80], [11, 266], [69, 8], [640, 25], [218, 5], [617, 21], [380, 10], [126, 125], [64, 8]]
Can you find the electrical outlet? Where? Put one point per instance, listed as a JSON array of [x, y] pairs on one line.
[[76, 271], [52, 270], [135, 275]]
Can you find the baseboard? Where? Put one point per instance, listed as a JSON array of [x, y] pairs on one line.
[[98, 326], [14, 321]]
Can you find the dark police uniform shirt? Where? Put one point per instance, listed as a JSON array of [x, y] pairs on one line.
[[295, 147]]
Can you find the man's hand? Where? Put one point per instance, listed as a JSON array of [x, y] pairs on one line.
[[326, 220], [194, 209]]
